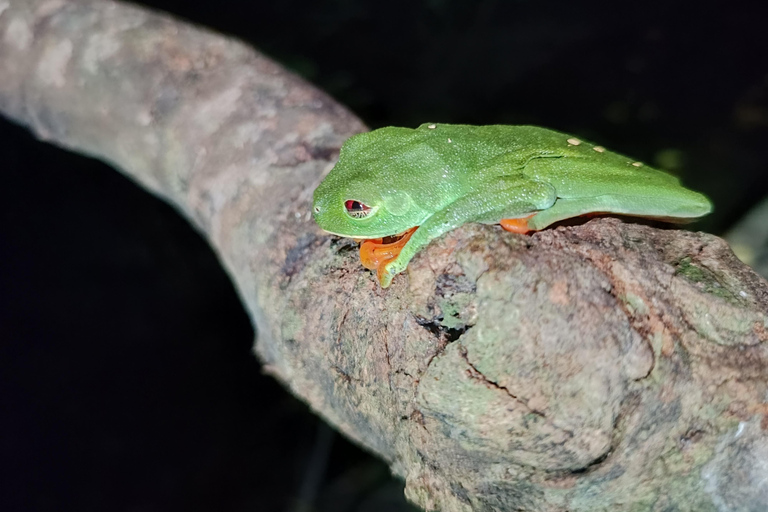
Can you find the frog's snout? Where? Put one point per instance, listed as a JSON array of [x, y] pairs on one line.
[[319, 206], [321, 211]]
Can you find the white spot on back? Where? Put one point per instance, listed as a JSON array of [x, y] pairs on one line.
[[449, 141]]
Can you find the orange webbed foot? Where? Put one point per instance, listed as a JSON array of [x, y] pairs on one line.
[[375, 253], [519, 226]]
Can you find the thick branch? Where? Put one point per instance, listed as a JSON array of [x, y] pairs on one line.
[[605, 366]]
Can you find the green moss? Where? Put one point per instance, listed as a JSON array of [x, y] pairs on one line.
[[703, 276], [454, 309], [635, 304]]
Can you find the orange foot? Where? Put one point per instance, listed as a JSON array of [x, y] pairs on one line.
[[375, 254], [517, 225]]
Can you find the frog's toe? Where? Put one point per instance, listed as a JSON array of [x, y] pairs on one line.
[[385, 277], [519, 225]]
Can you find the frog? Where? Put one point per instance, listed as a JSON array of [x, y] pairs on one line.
[[395, 189]]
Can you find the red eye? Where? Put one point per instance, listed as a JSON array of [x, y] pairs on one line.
[[356, 209]]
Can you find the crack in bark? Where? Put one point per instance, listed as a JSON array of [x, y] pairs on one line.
[[341, 324], [344, 375], [628, 405], [389, 362], [478, 375]]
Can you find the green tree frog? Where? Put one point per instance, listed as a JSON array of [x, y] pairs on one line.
[[421, 183]]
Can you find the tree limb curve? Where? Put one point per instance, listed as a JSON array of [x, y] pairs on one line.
[[602, 366]]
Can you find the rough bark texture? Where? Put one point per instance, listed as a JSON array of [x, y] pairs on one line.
[[604, 366]]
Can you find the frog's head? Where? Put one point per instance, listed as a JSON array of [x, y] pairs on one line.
[[364, 195]]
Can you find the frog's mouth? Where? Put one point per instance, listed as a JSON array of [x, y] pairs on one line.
[[395, 238], [387, 240]]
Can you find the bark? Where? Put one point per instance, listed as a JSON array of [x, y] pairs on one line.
[[601, 366]]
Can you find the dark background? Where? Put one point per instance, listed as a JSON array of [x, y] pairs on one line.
[[126, 378]]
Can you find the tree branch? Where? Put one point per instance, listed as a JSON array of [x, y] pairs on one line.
[[603, 366]]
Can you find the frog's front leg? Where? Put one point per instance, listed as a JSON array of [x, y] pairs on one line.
[[503, 197]]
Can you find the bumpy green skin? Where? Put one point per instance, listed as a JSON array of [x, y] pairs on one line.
[[440, 176]]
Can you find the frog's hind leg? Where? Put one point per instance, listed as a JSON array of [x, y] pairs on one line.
[[563, 209]]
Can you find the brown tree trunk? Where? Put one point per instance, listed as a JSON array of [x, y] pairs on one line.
[[604, 366]]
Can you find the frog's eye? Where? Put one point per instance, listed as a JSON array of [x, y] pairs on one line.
[[356, 209]]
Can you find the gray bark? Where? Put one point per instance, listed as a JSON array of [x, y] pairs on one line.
[[602, 366]]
